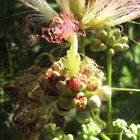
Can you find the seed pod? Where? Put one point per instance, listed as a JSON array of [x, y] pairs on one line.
[[104, 92], [82, 115], [94, 102]]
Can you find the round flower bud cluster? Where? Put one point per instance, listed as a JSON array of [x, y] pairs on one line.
[[81, 91], [89, 131], [131, 132], [111, 40]]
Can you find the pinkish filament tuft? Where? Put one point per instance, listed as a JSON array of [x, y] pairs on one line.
[[62, 27]]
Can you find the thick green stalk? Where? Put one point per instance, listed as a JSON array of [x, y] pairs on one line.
[[126, 89], [109, 102], [72, 54], [120, 135]]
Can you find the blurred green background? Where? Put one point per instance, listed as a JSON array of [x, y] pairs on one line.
[[19, 47]]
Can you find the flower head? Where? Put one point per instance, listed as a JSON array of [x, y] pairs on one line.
[[95, 14], [102, 13], [62, 27]]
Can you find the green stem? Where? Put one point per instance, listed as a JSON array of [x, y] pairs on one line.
[[109, 82], [126, 89], [72, 54], [104, 137], [120, 135]]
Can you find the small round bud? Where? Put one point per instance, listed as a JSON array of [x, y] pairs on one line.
[[125, 47], [111, 52], [117, 34], [94, 102], [118, 47], [104, 92], [82, 115], [79, 100], [111, 40], [103, 35], [93, 84], [69, 137], [96, 42], [102, 47], [133, 128], [123, 39]]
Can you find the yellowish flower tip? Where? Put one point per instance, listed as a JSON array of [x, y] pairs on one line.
[[102, 13]]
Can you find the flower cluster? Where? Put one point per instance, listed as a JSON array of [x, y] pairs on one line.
[[110, 40], [80, 91]]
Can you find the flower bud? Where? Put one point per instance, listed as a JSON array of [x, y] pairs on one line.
[[125, 47], [117, 34], [79, 100], [96, 42], [118, 47], [103, 35], [133, 128], [111, 40], [82, 115], [78, 82], [104, 92], [102, 47], [69, 137], [111, 52], [93, 84], [123, 39], [94, 102]]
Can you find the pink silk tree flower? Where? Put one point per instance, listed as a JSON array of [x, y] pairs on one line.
[[93, 14]]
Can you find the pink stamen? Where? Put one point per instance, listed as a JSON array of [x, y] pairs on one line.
[[62, 27]]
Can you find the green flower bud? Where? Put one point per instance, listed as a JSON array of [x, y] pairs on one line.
[[69, 137], [120, 124], [102, 47], [133, 128], [111, 52], [82, 115], [94, 102], [104, 35], [123, 39], [104, 92], [111, 40], [118, 47], [117, 34], [125, 47], [96, 42]]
